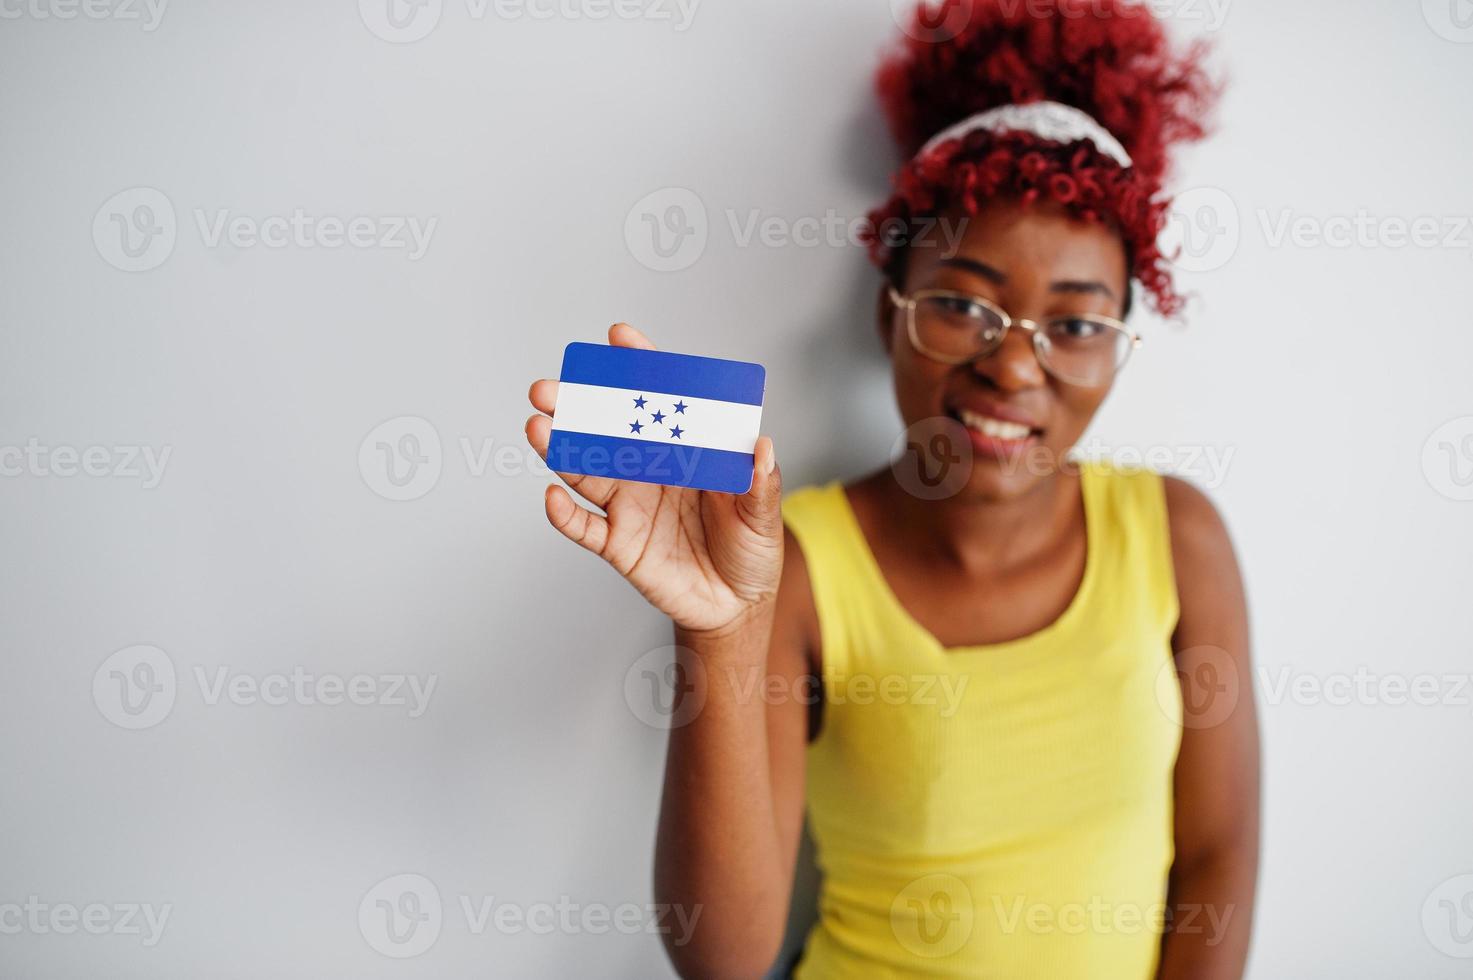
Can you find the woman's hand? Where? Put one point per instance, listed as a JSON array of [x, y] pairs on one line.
[[707, 560]]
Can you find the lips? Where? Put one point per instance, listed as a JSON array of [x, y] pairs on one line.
[[996, 430]]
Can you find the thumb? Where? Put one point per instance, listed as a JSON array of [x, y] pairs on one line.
[[761, 506]]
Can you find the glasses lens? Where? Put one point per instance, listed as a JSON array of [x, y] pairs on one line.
[[956, 326], [1083, 349]]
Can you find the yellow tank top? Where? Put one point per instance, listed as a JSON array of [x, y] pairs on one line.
[[999, 811]]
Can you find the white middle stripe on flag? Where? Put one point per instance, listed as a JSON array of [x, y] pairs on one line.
[[612, 412]]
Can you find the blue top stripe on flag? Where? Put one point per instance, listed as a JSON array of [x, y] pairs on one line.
[[664, 372]]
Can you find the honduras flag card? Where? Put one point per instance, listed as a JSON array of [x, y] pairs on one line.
[[657, 417]]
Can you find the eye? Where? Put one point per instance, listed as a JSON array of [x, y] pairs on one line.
[[960, 306], [1078, 328]]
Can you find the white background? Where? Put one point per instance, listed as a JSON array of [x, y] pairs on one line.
[[271, 543]]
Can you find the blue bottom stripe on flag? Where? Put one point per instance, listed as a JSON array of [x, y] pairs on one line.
[[649, 462]]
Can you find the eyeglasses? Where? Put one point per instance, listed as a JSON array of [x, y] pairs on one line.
[[958, 328]]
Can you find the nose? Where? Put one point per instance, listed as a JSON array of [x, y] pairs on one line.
[[1014, 365]]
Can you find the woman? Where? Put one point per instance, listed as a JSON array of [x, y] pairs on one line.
[[1003, 776]]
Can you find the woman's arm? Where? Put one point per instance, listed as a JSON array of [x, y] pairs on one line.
[[1217, 772], [732, 811], [719, 566]]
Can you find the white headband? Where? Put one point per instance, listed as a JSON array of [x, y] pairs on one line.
[[1050, 120]]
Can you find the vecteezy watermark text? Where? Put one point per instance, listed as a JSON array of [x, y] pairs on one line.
[[136, 230], [668, 687], [149, 13], [403, 915], [668, 230], [407, 21], [1205, 229], [40, 918], [137, 688], [35, 459], [402, 459], [939, 23], [1364, 687]]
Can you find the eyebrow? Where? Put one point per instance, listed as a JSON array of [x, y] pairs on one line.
[[1082, 286], [987, 272], [976, 268]]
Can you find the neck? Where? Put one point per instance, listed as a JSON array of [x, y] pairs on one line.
[[978, 533]]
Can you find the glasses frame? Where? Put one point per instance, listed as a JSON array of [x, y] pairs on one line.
[[1033, 327]]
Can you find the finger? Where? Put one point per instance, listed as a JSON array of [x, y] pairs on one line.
[[595, 489], [577, 524], [539, 430], [761, 506], [623, 335], [543, 395]]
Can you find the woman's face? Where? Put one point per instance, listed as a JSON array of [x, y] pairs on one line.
[[1033, 263]]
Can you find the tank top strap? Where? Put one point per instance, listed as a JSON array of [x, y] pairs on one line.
[[1133, 536], [856, 616]]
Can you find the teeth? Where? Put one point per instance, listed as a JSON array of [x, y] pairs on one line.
[[994, 428]]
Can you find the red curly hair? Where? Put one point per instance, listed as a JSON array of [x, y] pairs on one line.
[[1110, 58]]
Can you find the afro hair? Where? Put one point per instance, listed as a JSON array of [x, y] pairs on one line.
[[1109, 58]]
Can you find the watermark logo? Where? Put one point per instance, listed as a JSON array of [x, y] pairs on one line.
[[401, 459], [407, 21], [665, 689], [400, 21], [938, 21], [135, 687], [1451, 20], [1447, 459], [933, 24], [933, 916], [932, 459], [1203, 230], [135, 229], [138, 686], [1200, 686], [667, 231], [401, 916], [1447, 917]]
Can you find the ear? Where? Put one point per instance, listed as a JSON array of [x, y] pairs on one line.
[[885, 317]]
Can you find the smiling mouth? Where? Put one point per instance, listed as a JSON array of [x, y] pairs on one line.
[[991, 427]]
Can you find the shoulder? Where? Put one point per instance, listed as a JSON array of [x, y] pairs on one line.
[[1208, 580], [1197, 528]]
